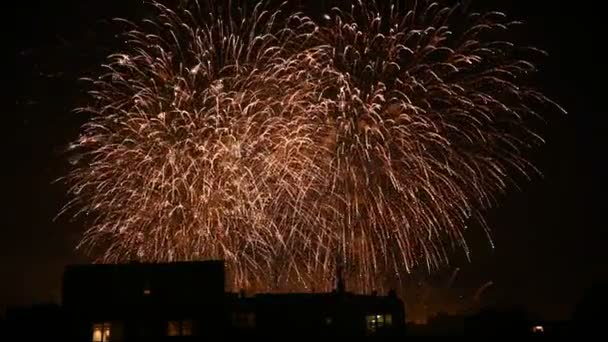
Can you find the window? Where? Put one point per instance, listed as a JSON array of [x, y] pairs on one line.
[[378, 321], [147, 289], [539, 329], [179, 328], [101, 332], [173, 328], [243, 319]]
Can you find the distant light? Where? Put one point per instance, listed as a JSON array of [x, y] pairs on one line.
[[538, 329], [147, 292]]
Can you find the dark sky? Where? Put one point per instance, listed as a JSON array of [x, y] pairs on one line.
[[548, 236]]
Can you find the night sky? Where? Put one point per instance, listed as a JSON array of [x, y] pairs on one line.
[[549, 240]]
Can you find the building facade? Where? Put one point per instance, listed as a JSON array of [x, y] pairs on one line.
[[135, 301], [188, 301]]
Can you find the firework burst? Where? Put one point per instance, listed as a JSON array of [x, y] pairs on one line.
[[290, 147]]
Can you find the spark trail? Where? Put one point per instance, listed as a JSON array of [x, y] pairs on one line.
[[288, 146]]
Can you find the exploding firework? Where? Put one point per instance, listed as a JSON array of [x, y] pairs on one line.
[[291, 147]]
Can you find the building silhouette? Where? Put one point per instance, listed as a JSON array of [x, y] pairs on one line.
[[322, 314], [123, 302], [187, 301]]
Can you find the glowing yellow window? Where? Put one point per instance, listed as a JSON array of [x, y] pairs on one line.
[[101, 332], [179, 328], [173, 328]]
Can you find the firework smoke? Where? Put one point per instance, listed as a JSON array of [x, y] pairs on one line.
[[289, 146], [429, 297]]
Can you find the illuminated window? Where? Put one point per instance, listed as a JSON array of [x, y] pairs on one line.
[[243, 319], [179, 328], [147, 289], [539, 329], [378, 321], [101, 332], [187, 328], [173, 328]]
